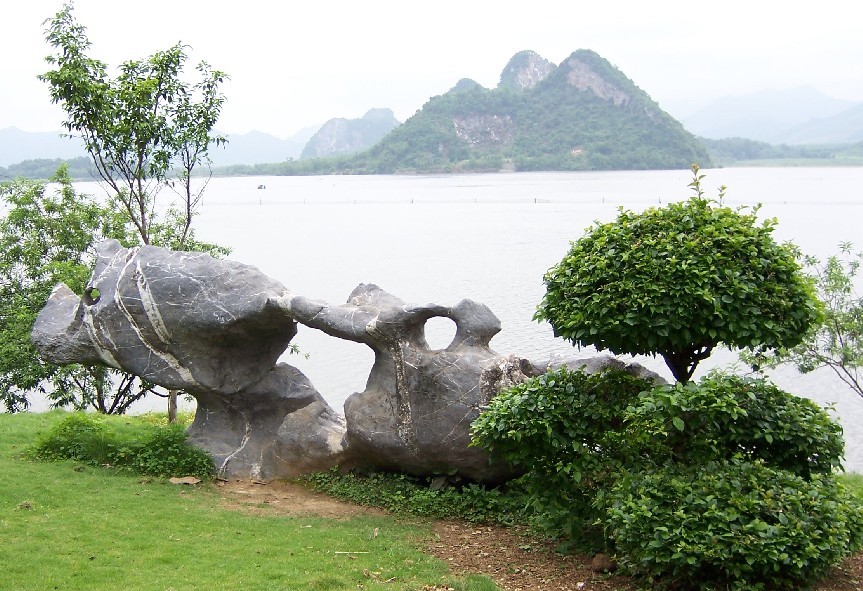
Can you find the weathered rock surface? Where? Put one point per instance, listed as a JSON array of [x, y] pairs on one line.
[[346, 136], [216, 329], [416, 410], [212, 328], [525, 70], [278, 427], [182, 320], [595, 364]]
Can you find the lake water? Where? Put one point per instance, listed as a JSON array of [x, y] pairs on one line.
[[490, 238]]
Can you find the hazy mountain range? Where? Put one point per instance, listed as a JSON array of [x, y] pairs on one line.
[[336, 136], [793, 116]]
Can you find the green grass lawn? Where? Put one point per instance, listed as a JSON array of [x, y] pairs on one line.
[[68, 526]]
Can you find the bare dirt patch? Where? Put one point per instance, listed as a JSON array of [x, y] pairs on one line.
[[514, 560], [286, 498]]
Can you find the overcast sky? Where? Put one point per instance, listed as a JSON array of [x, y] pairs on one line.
[[296, 64]]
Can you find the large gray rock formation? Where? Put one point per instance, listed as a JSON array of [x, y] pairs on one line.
[[216, 330], [416, 410], [278, 427], [212, 328]]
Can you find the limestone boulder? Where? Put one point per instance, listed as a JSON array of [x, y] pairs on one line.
[[182, 320], [418, 405], [591, 364], [278, 427], [212, 328]]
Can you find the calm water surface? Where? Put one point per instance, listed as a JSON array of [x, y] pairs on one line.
[[490, 238]]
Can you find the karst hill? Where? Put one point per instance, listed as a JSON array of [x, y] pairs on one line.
[[583, 114]]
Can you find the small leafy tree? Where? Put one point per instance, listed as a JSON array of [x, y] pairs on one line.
[[837, 340], [47, 236], [139, 128], [678, 281], [145, 130]]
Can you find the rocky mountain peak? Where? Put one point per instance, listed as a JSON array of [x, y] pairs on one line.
[[344, 136], [525, 70], [581, 74]]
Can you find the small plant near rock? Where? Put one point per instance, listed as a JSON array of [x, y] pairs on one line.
[[125, 444], [402, 493]]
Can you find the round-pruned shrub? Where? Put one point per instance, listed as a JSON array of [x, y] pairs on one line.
[[724, 415], [734, 524], [564, 429], [678, 281], [729, 483]]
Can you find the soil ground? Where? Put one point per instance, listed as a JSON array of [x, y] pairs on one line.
[[509, 556]]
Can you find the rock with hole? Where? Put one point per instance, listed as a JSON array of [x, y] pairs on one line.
[[418, 405]]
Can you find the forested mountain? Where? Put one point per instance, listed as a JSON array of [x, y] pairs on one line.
[[581, 115], [346, 136]]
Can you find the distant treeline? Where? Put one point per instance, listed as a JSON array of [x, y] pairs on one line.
[[741, 151], [724, 152], [43, 169]]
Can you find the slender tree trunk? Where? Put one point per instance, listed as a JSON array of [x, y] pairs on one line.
[[172, 406]]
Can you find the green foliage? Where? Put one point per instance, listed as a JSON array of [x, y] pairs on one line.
[[137, 447], [837, 340], [47, 236], [564, 428], [139, 127], [854, 483], [728, 483], [402, 493], [44, 169], [731, 524], [678, 281], [737, 151], [725, 416]]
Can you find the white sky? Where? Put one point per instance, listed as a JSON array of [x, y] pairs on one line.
[[295, 64]]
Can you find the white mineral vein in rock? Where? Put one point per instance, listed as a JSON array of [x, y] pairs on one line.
[[151, 309], [169, 359]]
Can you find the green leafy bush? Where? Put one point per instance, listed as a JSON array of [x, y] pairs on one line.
[[125, 444], [679, 280], [81, 437], [564, 428], [728, 483], [725, 415], [733, 524]]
